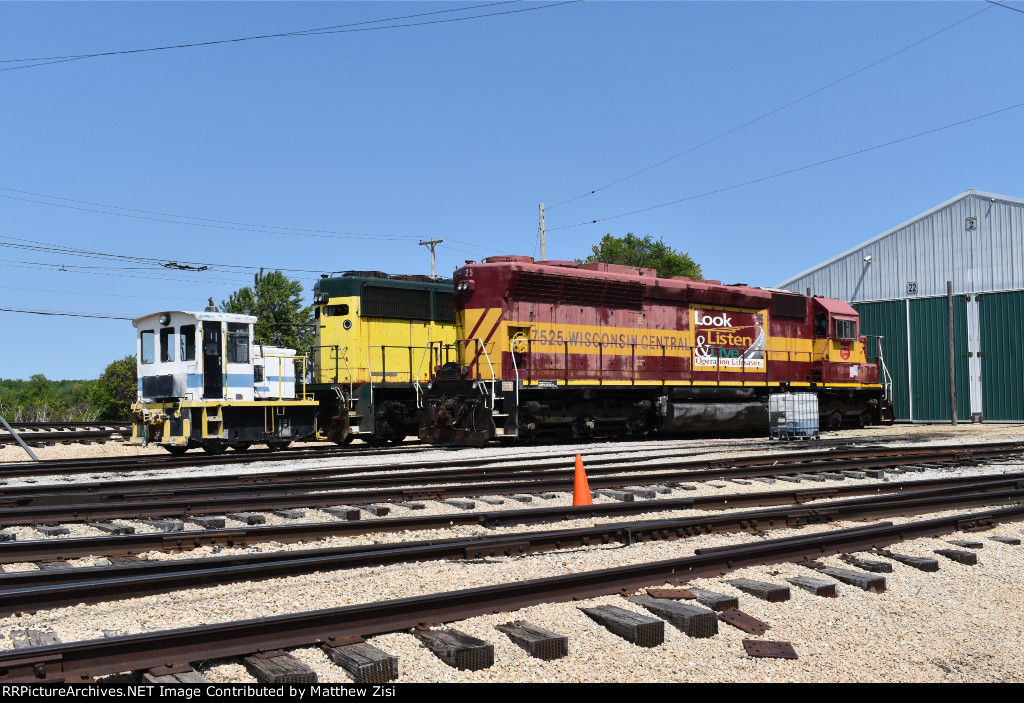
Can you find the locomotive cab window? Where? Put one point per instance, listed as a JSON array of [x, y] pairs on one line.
[[188, 342], [147, 353], [821, 325], [238, 343], [335, 310], [845, 329], [167, 344]]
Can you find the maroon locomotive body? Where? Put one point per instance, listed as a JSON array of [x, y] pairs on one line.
[[563, 350]]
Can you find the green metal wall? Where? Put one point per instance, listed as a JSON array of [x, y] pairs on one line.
[[929, 358], [889, 320], [1002, 355]]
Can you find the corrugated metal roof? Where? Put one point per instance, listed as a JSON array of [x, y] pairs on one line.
[[917, 257]]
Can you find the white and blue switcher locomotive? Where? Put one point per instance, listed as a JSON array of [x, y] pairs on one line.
[[202, 382]]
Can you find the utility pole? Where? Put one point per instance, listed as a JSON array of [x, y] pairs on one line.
[[432, 243], [543, 238]]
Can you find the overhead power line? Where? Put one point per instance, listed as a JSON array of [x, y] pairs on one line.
[[793, 170], [334, 29], [180, 264], [770, 112], [211, 222], [112, 272], [1015, 9], [100, 315], [135, 296], [198, 221]]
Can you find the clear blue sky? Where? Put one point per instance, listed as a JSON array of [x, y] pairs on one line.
[[458, 130]]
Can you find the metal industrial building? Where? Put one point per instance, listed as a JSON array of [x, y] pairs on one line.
[[898, 283]]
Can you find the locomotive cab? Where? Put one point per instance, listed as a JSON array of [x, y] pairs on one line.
[[840, 362]]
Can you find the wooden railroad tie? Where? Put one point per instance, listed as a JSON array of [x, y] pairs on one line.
[[208, 523], [715, 601], [689, 619], [959, 556], [249, 518], [538, 642], [112, 528], [637, 629], [165, 525], [343, 512], [277, 666], [172, 675], [819, 587], [457, 649], [771, 592], [363, 662]]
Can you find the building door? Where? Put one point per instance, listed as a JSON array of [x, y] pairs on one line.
[[929, 359], [1001, 355]]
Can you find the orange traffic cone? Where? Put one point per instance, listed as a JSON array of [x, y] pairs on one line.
[[581, 489]]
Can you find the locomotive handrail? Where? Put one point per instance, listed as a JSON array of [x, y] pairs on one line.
[[515, 367], [887, 378], [280, 371], [369, 374], [347, 368], [419, 369], [342, 355], [487, 356]]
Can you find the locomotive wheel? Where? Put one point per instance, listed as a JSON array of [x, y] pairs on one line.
[[177, 451], [835, 420], [348, 439], [213, 447], [278, 446], [375, 440], [241, 447], [398, 439]]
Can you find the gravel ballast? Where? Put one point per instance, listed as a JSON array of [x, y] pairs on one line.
[[961, 624]]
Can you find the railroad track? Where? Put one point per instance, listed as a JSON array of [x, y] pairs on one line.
[[59, 467], [301, 452], [68, 436], [129, 543], [812, 504], [52, 588], [31, 505], [341, 631], [123, 427]]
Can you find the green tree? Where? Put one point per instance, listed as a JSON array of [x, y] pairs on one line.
[[276, 301], [647, 253], [115, 390]]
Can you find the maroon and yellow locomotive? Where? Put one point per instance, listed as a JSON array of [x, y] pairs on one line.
[[559, 350]]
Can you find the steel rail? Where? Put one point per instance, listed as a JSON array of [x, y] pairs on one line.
[[520, 478], [66, 437], [120, 545], [62, 467], [84, 660], [31, 591]]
